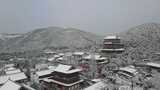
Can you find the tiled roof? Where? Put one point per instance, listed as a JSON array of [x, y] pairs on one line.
[[96, 86], [13, 71], [129, 69], [66, 69], [112, 37], [44, 72], [153, 64], [13, 77], [10, 85], [96, 57]]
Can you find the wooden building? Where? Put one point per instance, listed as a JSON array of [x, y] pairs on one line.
[[64, 77], [98, 59], [79, 55], [12, 73], [11, 85], [17, 77], [112, 44], [127, 72]]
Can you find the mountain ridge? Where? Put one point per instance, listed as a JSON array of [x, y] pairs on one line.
[[51, 37], [142, 41]]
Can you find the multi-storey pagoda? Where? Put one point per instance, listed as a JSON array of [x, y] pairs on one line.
[[112, 44], [64, 77]]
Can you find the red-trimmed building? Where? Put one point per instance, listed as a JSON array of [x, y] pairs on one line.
[[64, 77], [112, 44], [93, 62]]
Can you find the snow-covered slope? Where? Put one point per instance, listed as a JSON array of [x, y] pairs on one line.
[[51, 37], [142, 41], [4, 36]]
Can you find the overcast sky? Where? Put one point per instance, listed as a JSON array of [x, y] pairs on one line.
[[98, 16]]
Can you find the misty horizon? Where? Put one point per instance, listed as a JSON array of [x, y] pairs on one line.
[[100, 17]]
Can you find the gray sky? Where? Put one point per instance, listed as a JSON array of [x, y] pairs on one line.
[[98, 16]]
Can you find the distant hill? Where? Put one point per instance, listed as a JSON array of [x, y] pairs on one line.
[[142, 41], [4, 36], [50, 37]]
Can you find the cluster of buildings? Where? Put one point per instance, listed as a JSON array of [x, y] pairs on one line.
[[79, 70], [12, 78]]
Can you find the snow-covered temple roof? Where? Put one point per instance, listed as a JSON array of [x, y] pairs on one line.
[[129, 69], [13, 71], [97, 86], [153, 64], [61, 83], [96, 57], [112, 37], [78, 53], [44, 72], [13, 77], [66, 69], [10, 85]]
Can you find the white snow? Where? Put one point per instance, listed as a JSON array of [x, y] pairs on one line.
[[96, 80], [124, 88], [78, 53], [13, 71], [60, 58], [49, 52], [4, 36], [153, 64], [44, 72], [129, 69], [61, 54], [112, 37], [9, 65], [27, 87], [64, 84], [120, 49], [97, 86], [56, 56], [13, 77], [10, 69], [10, 85], [52, 68], [62, 68], [51, 59], [73, 71], [108, 43], [41, 66], [96, 57], [66, 69]]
